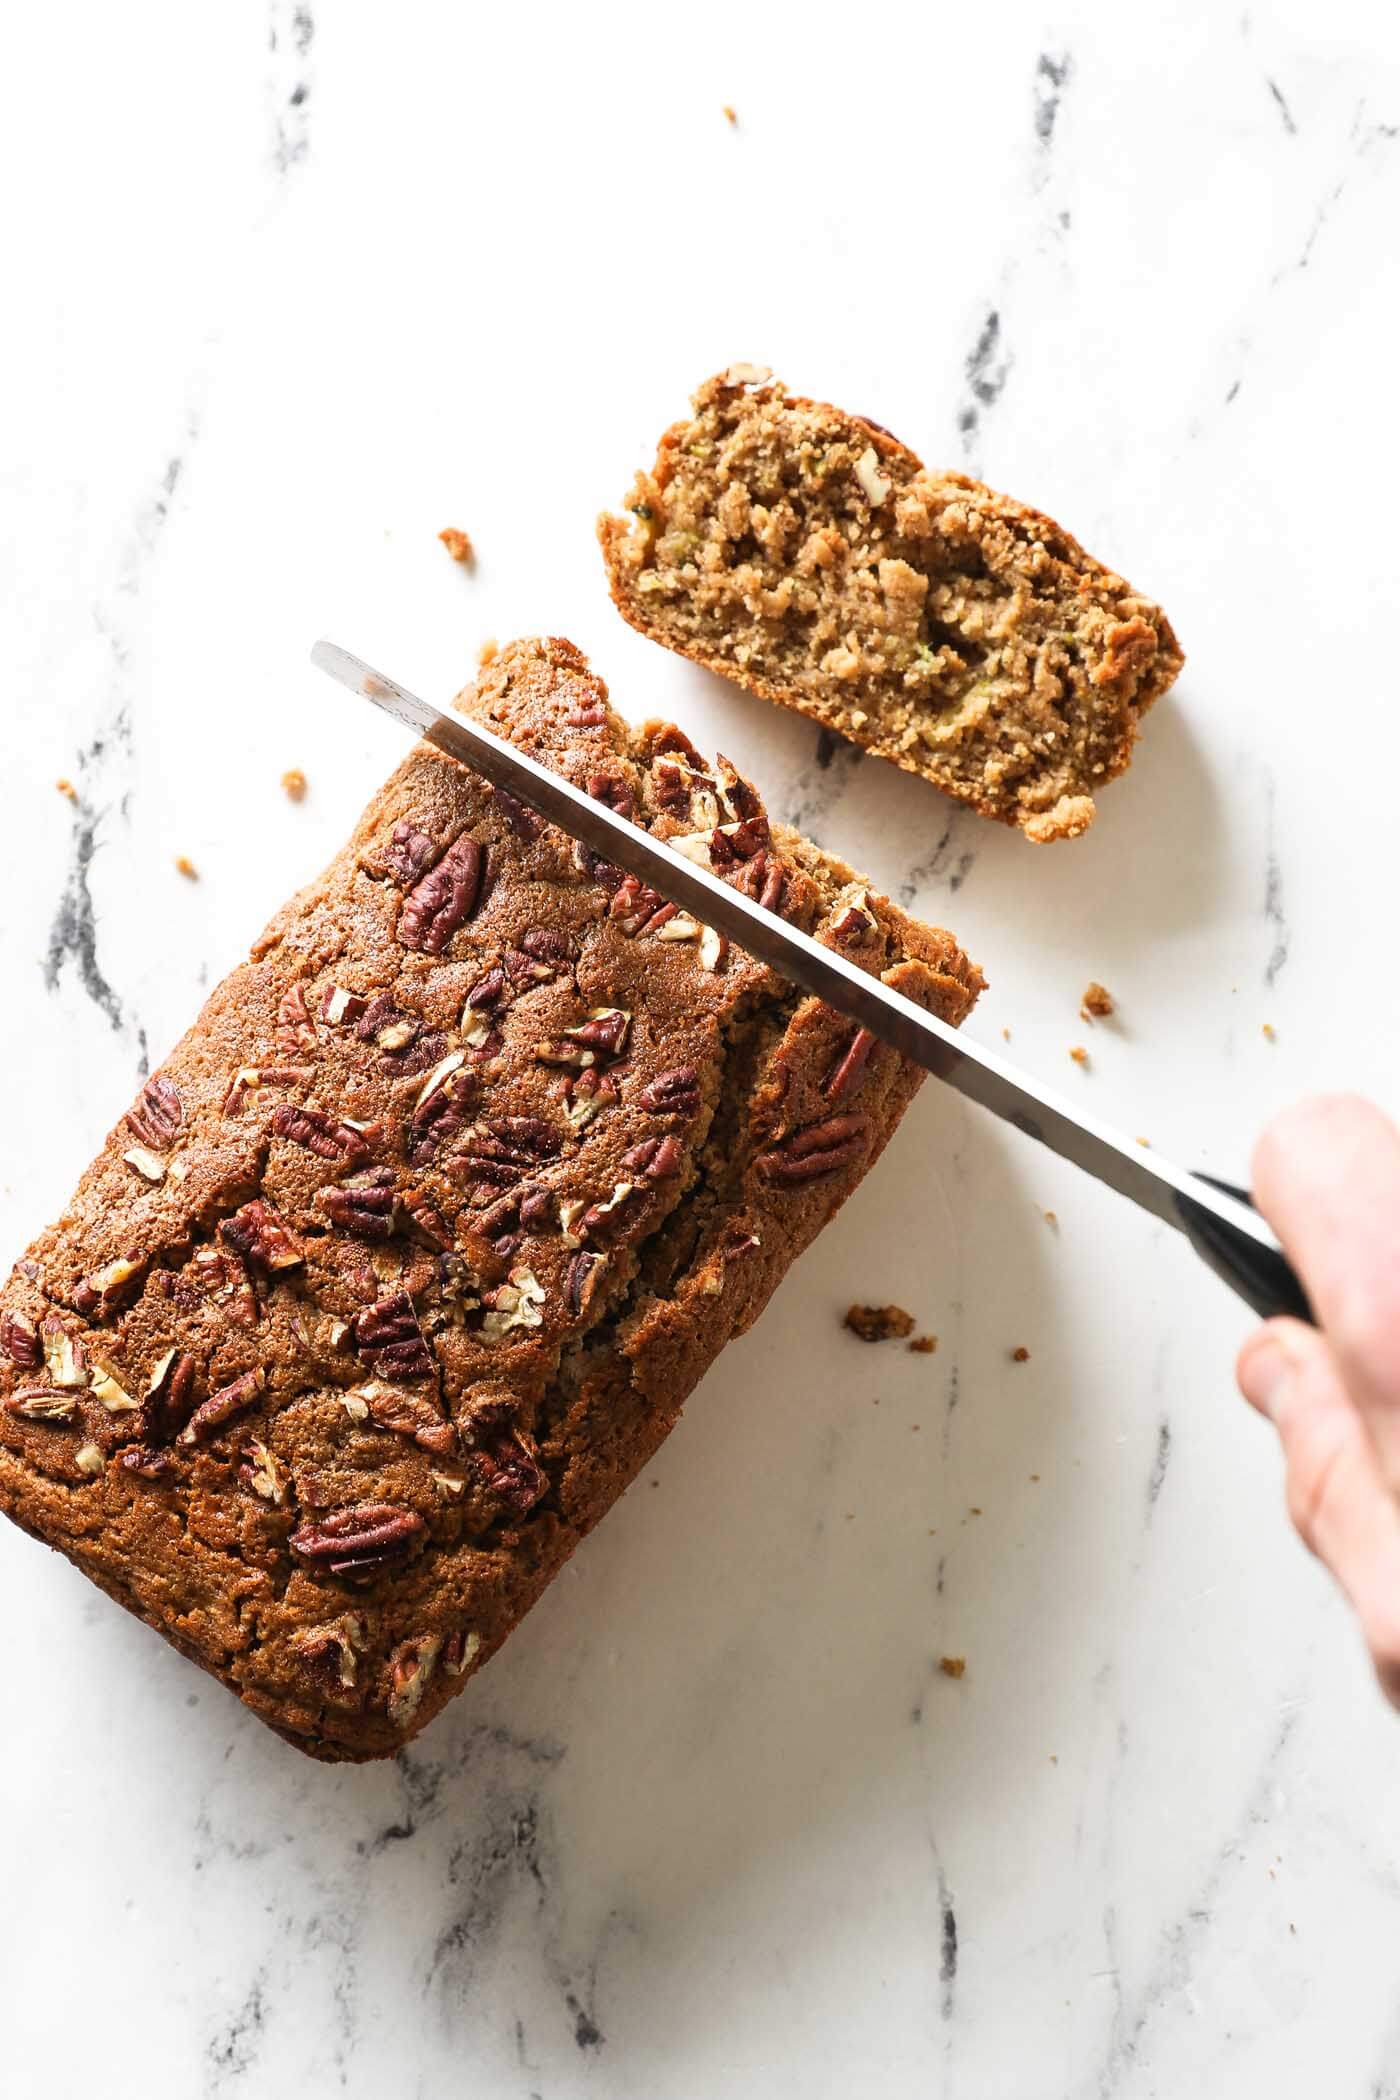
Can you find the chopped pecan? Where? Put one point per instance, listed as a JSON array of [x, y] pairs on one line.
[[408, 1414], [356, 1542], [223, 1406], [581, 1281], [226, 1278], [108, 1388], [522, 969], [741, 796], [387, 1026], [264, 1473], [548, 944], [321, 1134], [595, 867], [444, 898], [390, 1341], [672, 1093], [409, 853], [657, 1158], [157, 1116], [367, 1207], [108, 1286], [599, 1214], [669, 737], [169, 1397], [506, 1457], [426, 1220], [613, 793], [855, 920], [43, 1403], [488, 991], [822, 1148], [587, 1094], [591, 714], [458, 1287], [848, 1071], [440, 1111], [537, 1210], [638, 908], [295, 1029], [259, 1235], [329, 1654], [254, 1079], [411, 1668], [763, 878], [741, 841], [65, 1358], [461, 1651], [502, 1150], [514, 1303], [521, 818], [149, 1165], [19, 1338], [669, 789], [597, 1040], [341, 1009], [146, 1460]]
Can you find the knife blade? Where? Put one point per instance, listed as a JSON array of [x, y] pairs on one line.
[[1217, 1218]]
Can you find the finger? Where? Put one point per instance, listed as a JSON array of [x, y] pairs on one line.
[[1338, 1497], [1327, 1176]]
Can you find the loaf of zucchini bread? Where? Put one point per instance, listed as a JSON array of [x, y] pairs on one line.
[[403, 1263], [809, 555]]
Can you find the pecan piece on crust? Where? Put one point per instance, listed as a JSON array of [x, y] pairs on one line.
[[411, 1668], [389, 1339], [324, 1135], [368, 1207], [295, 1029], [522, 820], [444, 898], [505, 1456], [656, 1158], [329, 1654], [358, 1541], [229, 1401], [169, 1397], [581, 1281], [226, 1278], [19, 1338], [822, 1148], [672, 1093], [848, 1071], [408, 1414], [258, 1234], [461, 1651], [43, 1403], [158, 1115], [409, 853]]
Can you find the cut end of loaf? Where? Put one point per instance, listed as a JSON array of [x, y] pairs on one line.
[[810, 556]]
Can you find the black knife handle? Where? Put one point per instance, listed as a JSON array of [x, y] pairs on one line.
[[1264, 1279]]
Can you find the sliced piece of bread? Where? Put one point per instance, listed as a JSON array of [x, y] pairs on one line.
[[809, 555]]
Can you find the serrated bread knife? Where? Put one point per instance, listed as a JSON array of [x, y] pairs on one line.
[[1217, 1218]]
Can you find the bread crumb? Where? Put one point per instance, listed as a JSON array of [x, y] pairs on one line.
[[973, 1510], [1051, 1220], [1020, 1356], [1146, 1143], [1079, 1054], [186, 867], [924, 1344], [952, 1665], [66, 787], [458, 545], [879, 1323], [1267, 1031], [731, 115], [1097, 1004], [1006, 1035], [1036, 1478], [488, 652], [294, 783]]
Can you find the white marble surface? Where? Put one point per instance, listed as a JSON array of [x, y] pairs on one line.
[[287, 295]]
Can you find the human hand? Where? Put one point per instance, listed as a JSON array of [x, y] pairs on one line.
[[1327, 1177]]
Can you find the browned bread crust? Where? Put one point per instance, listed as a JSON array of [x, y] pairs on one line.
[[404, 1262], [810, 556]]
